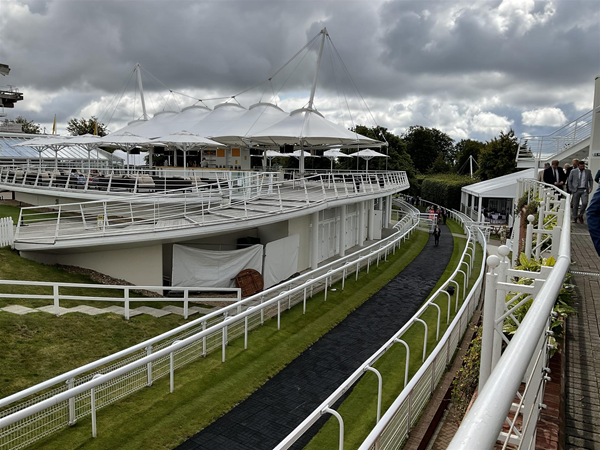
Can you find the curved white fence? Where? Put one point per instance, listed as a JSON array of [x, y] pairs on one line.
[[62, 400], [512, 381], [249, 197], [393, 427]]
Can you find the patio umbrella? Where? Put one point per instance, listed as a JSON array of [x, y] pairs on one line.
[[333, 154], [87, 141], [368, 154], [184, 141], [125, 141], [52, 143]]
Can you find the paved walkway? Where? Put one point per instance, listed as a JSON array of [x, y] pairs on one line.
[[583, 347], [93, 311], [275, 409]]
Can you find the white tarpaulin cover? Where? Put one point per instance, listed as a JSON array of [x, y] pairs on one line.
[[208, 268], [281, 259]]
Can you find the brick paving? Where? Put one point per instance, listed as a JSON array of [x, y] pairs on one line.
[[583, 347], [274, 410]]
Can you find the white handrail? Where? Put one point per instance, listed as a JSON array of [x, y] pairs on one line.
[[482, 425]]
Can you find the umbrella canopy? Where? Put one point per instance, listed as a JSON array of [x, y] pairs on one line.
[[258, 117], [185, 138], [124, 139], [335, 153], [45, 141], [308, 127], [367, 154], [274, 154], [131, 127], [82, 139], [298, 154]]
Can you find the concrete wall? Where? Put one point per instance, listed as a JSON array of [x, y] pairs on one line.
[[273, 232], [139, 265], [44, 200], [301, 226]]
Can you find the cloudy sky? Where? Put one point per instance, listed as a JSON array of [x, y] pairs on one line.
[[470, 68]]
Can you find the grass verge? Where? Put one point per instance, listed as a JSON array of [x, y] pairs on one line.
[[359, 409], [207, 388]]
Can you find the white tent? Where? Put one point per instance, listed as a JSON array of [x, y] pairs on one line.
[[88, 141], [258, 117], [307, 127], [131, 127], [157, 126], [368, 154], [186, 119], [299, 153], [216, 120], [47, 142], [504, 187]]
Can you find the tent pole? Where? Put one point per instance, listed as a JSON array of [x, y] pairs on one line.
[[314, 86], [138, 69], [301, 159]]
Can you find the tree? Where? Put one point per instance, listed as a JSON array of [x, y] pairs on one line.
[[440, 165], [463, 150], [76, 127], [398, 159], [498, 156], [28, 126], [424, 145]]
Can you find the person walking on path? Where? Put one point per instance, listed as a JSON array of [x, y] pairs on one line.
[[593, 220], [580, 185], [436, 234], [555, 175]]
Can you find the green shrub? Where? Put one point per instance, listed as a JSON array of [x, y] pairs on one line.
[[444, 189]]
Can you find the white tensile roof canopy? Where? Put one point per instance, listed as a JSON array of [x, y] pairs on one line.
[[222, 116], [500, 187]]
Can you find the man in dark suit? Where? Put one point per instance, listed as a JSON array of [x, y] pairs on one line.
[[555, 175]]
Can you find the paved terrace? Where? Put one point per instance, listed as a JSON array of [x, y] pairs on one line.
[[194, 213], [275, 409], [583, 346]]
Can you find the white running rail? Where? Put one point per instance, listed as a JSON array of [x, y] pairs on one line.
[[393, 427], [54, 404], [514, 372]]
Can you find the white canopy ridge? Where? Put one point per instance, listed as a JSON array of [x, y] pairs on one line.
[[217, 119], [258, 117]]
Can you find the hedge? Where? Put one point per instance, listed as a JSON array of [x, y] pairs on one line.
[[444, 189]]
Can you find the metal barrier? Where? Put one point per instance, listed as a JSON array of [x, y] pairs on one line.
[[514, 371], [254, 196], [62, 400], [393, 427], [536, 148]]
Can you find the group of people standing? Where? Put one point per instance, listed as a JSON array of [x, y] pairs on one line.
[[576, 180]]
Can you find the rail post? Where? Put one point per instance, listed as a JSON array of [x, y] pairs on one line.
[[337, 415], [56, 300], [93, 407], [149, 366], [72, 419], [502, 272], [489, 311], [529, 236]]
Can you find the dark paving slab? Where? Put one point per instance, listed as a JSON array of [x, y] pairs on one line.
[[282, 403], [582, 428]]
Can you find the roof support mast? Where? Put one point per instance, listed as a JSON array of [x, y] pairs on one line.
[[312, 92], [138, 70]]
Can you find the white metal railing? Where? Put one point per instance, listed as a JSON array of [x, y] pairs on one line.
[[251, 196], [394, 426], [514, 371], [54, 404], [130, 294], [6, 232], [540, 148]]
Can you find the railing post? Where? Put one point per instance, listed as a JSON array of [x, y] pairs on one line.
[[93, 407], [72, 412], [340, 421], [400, 341], [529, 236], [149, 366], [224, 341], [186, 303], [126, 295], [172, 369], [425, 337], [489, 311], [56, 300], [379, 389], [502, 272]]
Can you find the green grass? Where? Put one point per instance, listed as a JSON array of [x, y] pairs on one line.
[[207, 388], [454, 226], [13, 267], [14, 211], [359, 409]]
